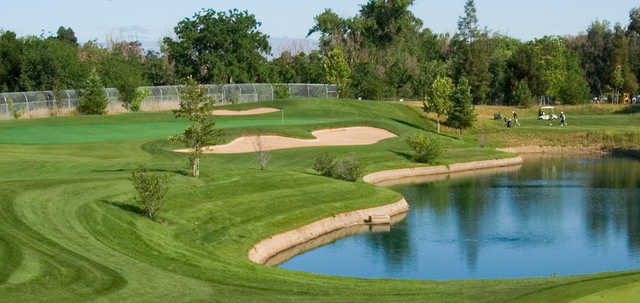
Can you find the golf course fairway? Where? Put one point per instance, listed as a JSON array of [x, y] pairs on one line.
[[70, 228]]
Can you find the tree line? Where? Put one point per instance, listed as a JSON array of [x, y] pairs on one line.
[[382, 52]]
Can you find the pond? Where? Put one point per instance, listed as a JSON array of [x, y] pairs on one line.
[[549, 217]]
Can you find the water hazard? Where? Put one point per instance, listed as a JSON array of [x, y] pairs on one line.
[[549, 217]]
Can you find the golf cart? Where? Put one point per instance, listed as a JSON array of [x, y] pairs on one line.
[[547, 113]]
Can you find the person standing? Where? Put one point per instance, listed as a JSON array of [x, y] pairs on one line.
[[563, 119], [515, 119]]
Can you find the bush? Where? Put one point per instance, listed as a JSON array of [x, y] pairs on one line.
[[15, 112], [347, 169], [425, 149], [151, 190], [324, 164], [141, 94], [280, 91], [94, 99]]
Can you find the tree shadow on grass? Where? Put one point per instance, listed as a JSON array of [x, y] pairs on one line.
[[154, 170], [426, 129], [411, 125], [126, 207], [629, 109], [405, 155]]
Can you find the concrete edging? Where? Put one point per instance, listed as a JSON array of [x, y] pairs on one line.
[[262, 251], [388, 175]]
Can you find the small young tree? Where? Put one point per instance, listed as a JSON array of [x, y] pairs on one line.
[[262, 156], [439, 98], [337, 70], [151, 190], [462, 114], [197, 108], [93, 100], [618, 82]]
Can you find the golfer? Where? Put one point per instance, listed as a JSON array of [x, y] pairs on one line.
[[563, 119], [515, 119]]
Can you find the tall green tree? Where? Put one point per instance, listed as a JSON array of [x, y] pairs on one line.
[[196, 107], [634, 20], [471, 53], [439, 101], [124, 73], [11, 51], [219, 47], [67, 34], [595, 56], [522, 94], [468, 27], [337, 70], [462, 113], [620, 57], [49, 63]]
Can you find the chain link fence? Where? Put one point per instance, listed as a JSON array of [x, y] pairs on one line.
[[47, 103]]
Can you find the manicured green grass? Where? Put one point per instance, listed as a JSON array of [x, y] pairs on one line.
[[623, 294], [609, 125], [69, 231]]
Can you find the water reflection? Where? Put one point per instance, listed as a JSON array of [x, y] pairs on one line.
[[552, 216]]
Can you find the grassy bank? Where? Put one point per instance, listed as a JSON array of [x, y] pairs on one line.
[[69, 231]]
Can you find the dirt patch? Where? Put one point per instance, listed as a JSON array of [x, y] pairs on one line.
[[249, 112], [359, 135]]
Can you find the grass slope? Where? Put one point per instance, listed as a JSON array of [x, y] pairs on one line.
[[69, 231]]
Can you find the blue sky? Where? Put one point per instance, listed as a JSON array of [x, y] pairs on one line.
[[148, 21]]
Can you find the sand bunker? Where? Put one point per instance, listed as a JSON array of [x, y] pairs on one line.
[[326, 137], [255, 111]]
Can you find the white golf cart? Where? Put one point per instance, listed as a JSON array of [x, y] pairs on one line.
[[547, 113]]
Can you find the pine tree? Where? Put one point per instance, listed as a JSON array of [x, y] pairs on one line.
[[462, 114], [94, 99]]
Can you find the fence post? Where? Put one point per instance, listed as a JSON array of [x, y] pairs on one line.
[[326, 91], [27, 102], [68, 99], [272, 96], [255, 90], [308, 91]]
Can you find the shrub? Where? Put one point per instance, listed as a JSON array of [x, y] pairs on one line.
[[15, 112], [141, 94], [425, 149], [94, 99], [324, 164], [151, 190], [280, 91], [347, 169]]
